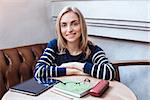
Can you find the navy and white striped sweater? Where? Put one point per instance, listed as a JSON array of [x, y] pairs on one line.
[[96, 65]]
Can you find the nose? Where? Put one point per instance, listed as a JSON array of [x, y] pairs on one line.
[[69, 28]]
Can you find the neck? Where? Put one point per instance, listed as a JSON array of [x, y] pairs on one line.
[[73, 48]]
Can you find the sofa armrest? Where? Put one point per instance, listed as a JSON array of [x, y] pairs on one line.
[[118, 63]]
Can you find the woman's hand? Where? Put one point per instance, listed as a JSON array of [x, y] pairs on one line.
[[71, 71], [74, 68], [74, 65]]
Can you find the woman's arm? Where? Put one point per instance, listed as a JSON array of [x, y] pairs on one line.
[[100, 67], [46, 67]]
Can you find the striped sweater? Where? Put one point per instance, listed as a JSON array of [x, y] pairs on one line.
[[96, 65]]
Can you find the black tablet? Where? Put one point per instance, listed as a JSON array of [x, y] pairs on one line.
[[32, 87]]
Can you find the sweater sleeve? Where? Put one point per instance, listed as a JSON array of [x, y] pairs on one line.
[[100, 67], [46, 66]]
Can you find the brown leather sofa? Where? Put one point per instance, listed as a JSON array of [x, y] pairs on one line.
[[17, 64]]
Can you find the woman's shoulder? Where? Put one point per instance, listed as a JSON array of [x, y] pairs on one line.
[[94, 48], [52, 43]]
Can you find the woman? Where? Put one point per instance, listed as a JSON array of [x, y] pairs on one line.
[[72, 53]]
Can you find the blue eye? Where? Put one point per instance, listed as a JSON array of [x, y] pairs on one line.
[[75, 23], [63, 25]]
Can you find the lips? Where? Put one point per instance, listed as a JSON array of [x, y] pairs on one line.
[[70, 34]]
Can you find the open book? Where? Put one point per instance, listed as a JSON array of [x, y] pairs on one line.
[[73, 88], [32, 87]]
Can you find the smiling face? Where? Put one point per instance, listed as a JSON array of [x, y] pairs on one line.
[[70, 27]]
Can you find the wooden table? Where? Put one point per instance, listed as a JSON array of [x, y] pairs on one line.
[[116, 91]]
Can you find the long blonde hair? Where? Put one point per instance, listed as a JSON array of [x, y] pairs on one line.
[[62, 44]]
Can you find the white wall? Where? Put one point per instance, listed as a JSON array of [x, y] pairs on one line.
[[120, 27], [23, 22]]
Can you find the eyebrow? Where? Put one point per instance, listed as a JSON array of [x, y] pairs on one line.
[[71, 22]]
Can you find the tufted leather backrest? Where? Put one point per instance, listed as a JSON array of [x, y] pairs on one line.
[[17, 65]]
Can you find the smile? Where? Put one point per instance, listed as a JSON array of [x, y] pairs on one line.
[[70, 34]]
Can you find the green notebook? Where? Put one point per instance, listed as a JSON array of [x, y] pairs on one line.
[[73, 88]]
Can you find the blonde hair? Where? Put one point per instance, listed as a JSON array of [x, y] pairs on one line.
[[62, 44]]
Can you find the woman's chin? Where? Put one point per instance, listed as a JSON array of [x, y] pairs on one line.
[[71, 40]]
